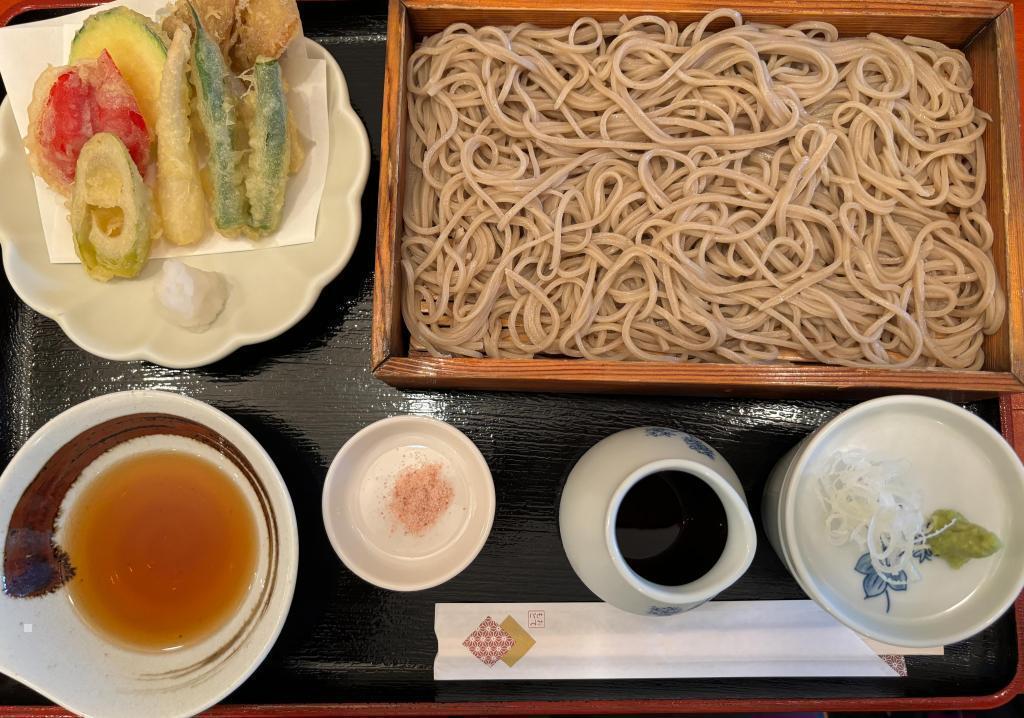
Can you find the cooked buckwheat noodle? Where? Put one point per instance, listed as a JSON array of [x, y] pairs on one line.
[[633, 190]]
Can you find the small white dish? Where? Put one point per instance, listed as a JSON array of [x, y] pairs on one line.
[[590, 503], [958, 462], [120, 320], [46, 645], [368, 538]]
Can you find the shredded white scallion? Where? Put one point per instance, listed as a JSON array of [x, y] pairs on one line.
[[871, 503]]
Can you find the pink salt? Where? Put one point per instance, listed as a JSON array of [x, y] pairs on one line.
[[420, 496]]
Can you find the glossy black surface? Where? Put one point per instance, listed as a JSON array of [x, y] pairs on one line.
[[303, 394]]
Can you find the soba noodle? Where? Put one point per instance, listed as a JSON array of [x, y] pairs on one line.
[[633, 190]]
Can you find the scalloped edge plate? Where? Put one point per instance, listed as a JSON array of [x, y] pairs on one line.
[[271, 289]]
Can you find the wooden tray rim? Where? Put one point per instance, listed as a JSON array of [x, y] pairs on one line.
[[1011, 411]]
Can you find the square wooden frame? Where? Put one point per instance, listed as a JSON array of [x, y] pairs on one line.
[[983, 28]]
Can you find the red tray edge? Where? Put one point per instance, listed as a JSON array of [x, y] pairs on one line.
[[1011, 417]]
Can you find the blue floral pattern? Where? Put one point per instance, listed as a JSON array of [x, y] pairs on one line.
[[923, 554], [875, 585], [699, 446], [691, 441]]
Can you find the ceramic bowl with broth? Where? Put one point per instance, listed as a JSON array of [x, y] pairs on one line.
[[150, 555]]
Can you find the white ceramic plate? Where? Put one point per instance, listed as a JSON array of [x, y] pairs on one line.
[[43, 641], [355, 504], [271, 289]]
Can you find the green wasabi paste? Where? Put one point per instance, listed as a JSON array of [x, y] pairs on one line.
[[959, 543]]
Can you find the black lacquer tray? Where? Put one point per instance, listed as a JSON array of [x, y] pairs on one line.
[[350, 647]]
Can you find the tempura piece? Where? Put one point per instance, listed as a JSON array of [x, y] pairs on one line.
[[269, 161], [72, 103], [110, 209], [218, 17], [264, 29], [136, 45], [179, 187], [217, 109]]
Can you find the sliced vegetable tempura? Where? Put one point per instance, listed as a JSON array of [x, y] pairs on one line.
[[179, 186], [109, 210], [69, 105], [269, 147]]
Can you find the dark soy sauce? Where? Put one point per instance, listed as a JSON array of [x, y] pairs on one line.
[[671, 527]]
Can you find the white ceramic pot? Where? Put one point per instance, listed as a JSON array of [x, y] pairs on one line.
[[591, 499], [956, 461]]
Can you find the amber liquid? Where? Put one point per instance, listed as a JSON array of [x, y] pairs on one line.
[[164, 550]]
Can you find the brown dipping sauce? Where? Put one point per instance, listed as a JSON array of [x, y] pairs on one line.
[[164, 548], [671, 527]]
